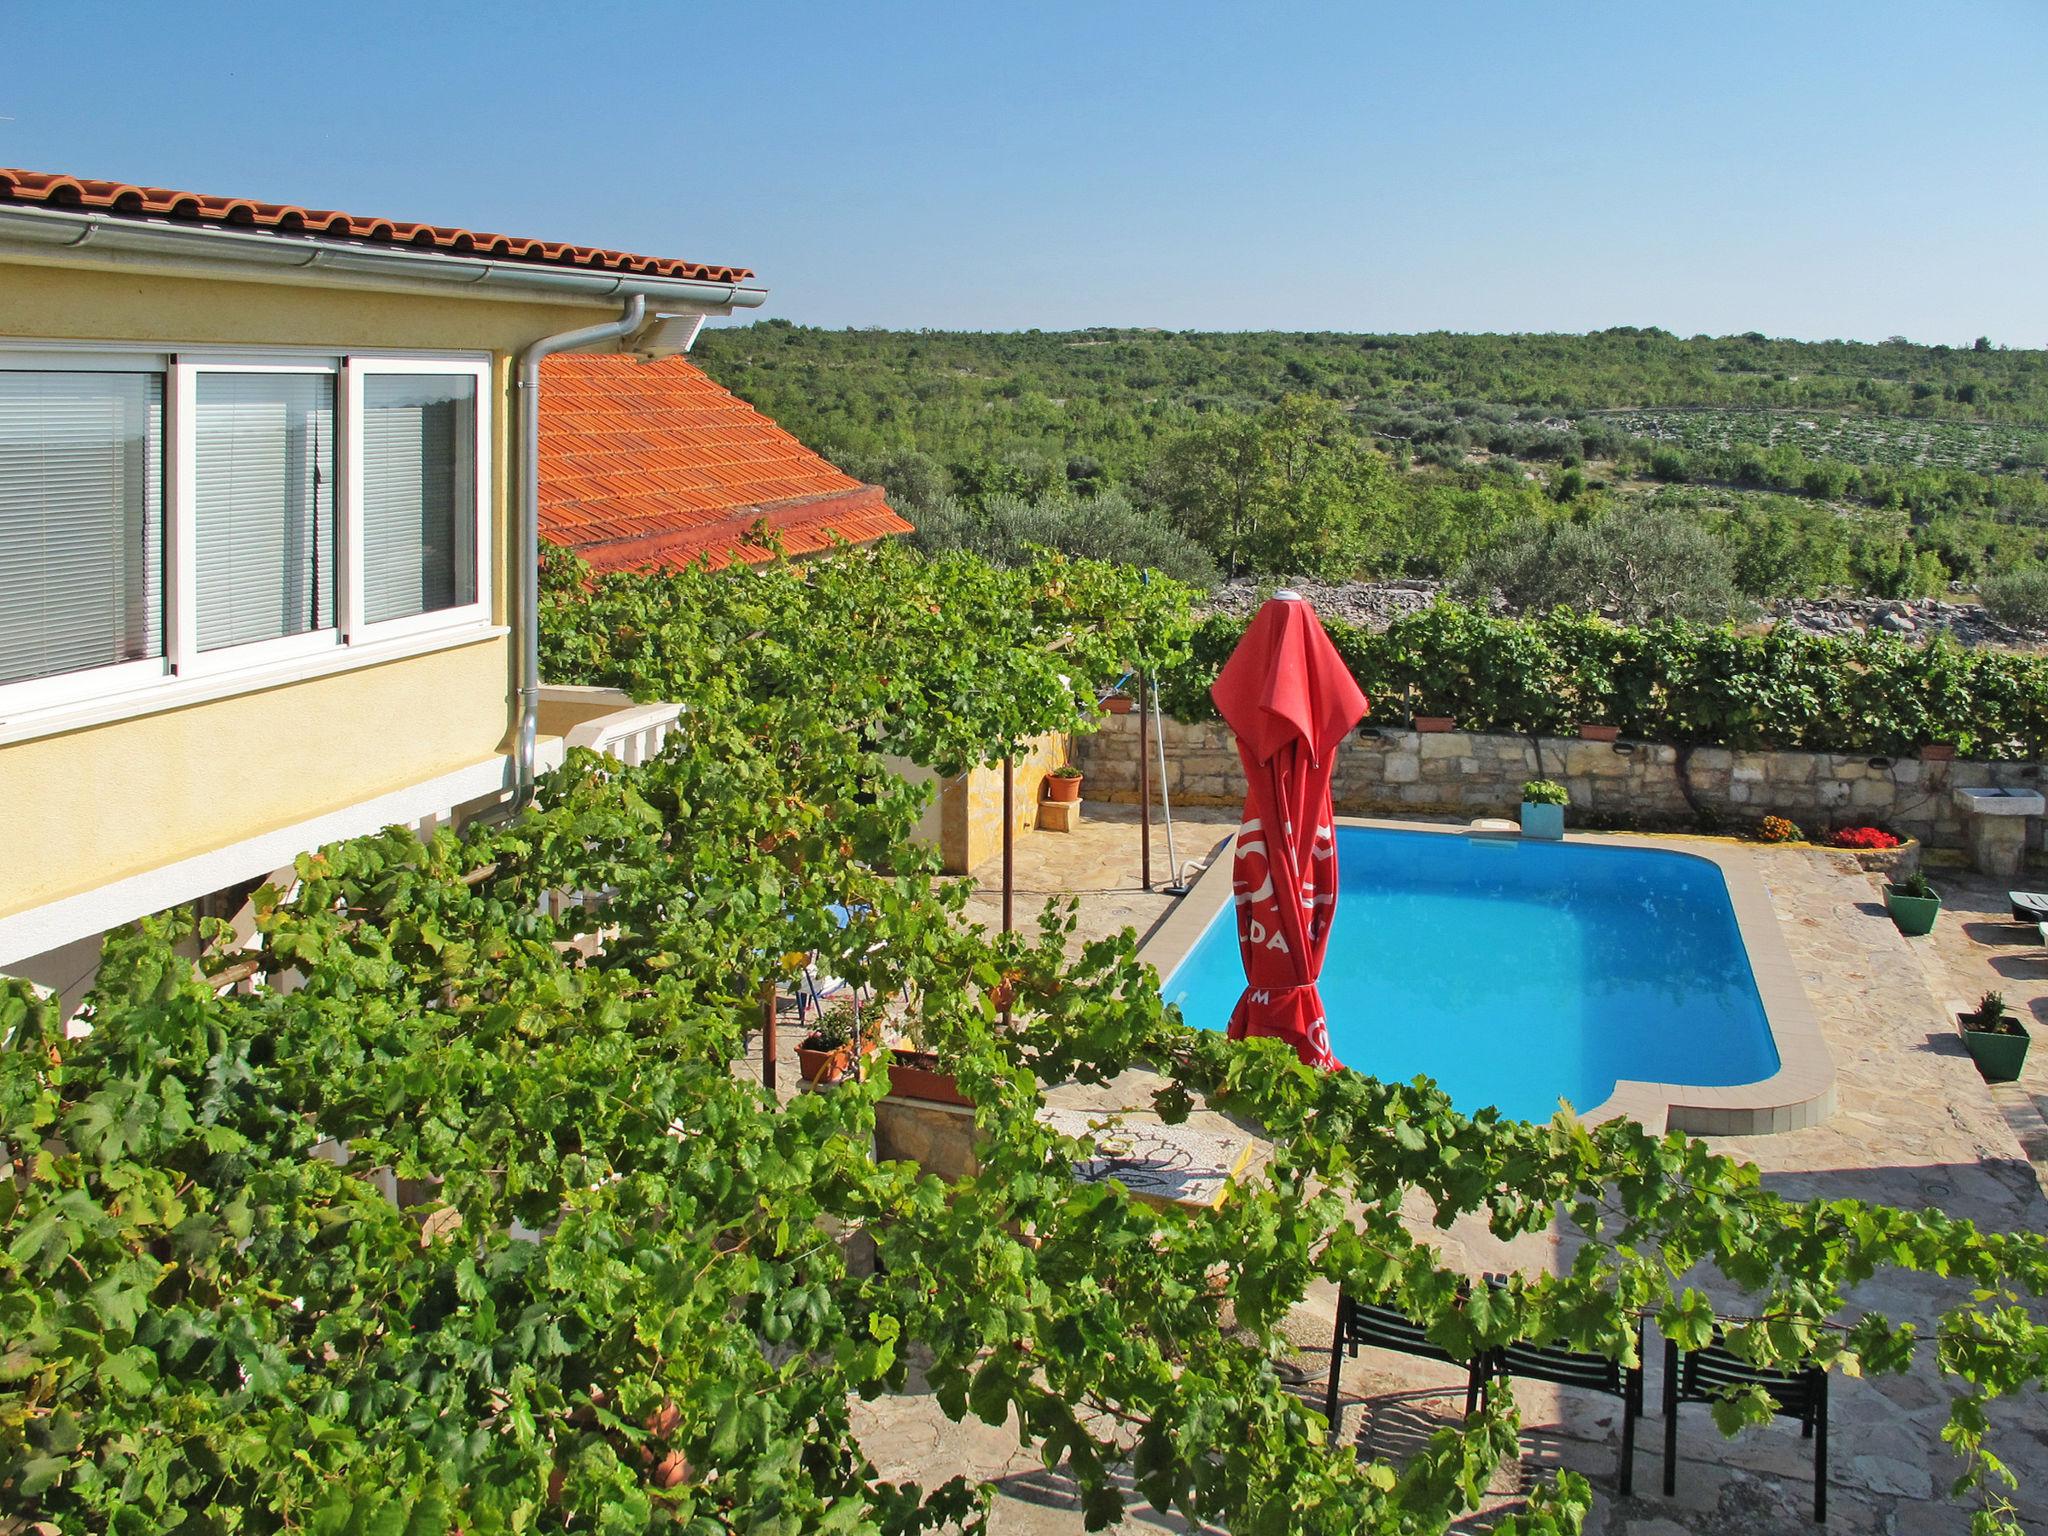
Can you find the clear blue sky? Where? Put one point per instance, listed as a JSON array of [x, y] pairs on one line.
[[1803, 169]]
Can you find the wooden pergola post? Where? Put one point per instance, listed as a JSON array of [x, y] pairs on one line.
[[1009, 841], [1009, 856]]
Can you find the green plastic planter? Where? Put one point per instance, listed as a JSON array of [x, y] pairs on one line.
[[1914, 915], [1998, 1057]]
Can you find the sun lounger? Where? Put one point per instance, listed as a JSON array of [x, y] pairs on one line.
[[2028, 906]]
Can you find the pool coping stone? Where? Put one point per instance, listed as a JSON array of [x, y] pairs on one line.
[[1799, 1094]]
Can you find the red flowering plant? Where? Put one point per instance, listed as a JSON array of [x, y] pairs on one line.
[[1869, 838]]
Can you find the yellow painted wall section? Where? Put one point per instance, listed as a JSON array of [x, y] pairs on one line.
[[92, 805], [88, 807], [931, 824], [971, 806]]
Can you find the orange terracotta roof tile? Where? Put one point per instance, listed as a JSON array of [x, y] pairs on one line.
[[653, 464], [120, 198]]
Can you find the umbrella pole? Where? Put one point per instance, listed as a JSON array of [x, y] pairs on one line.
[[1144, 783], [769, 1041], [1174, 886]]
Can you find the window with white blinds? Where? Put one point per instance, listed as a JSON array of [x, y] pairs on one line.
[[419, 500], [81, 521], [263, 495], [189, 515]]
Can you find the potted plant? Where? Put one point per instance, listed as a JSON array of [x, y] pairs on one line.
[[1599, 732], [1543, 803], [1995, 1039], [1938, 752], [825, 1056], [1063, 783], [916, 1074], [1435, 723], [1913, 905], [1777, 829]]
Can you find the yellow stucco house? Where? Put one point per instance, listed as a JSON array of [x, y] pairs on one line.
[[267, 535]]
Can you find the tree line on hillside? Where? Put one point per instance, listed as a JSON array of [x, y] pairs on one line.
[[1441, 456]]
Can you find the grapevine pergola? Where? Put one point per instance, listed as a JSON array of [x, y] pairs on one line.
[[621, 1296]]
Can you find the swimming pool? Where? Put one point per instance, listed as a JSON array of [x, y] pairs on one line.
[[1518, 973]]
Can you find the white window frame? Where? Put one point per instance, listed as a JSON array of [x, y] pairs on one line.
[[187, 659], [185, 673], [359, 367], [122, 676]]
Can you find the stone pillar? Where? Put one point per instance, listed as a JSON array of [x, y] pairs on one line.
[[1998, 845], [1995, 822]]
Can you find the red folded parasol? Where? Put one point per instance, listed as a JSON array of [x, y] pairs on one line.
[[1287, 694]]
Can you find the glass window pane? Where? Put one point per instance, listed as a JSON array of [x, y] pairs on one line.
[[419, 494], [263, 493], [81, 521]]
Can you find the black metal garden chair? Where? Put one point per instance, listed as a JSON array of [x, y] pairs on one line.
[[1363, 1325], [1564, 1366], [1701, 1375]]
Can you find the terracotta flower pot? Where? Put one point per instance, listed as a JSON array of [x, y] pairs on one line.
[[1119, 704], [822, 1065], [1435, 724], [1938, 752], [917, 1075], [1065, 787], [1599, 732]]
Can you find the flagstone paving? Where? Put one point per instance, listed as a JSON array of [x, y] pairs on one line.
[[1980, 949], [1915, 1126]]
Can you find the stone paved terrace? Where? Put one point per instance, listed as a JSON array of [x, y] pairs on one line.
[[1915, 1127], [1977, 948]]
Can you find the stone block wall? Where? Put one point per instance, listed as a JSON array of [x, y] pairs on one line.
[[1466, 773], [939, 1138]]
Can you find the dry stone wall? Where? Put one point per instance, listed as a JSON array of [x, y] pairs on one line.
[[1465, 773]]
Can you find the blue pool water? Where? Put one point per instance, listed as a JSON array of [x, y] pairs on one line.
[[1519, 973]]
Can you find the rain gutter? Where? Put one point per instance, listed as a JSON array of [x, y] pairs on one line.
[[527, 555], [96, 239]]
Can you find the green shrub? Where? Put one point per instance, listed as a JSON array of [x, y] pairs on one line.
[[1669, 464], [1635, 564], [1545, 792], [1678, 682], [2018, 597], [1005, 529]]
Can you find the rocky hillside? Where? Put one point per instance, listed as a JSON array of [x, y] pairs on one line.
[[1375, 603]]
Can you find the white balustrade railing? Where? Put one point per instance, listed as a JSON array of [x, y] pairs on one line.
[[630, 732]]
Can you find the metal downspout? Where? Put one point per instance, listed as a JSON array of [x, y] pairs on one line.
[[527, 599]]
